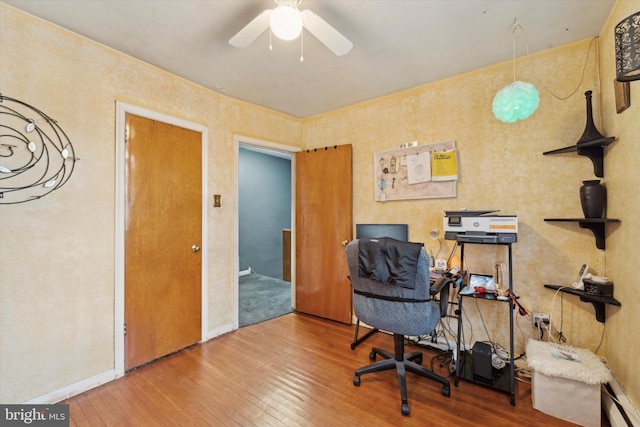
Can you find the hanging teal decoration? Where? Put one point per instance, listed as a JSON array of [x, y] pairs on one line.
[[518, 100], [515, 102]]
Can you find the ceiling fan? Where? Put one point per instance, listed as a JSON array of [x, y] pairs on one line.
[[286, 22]]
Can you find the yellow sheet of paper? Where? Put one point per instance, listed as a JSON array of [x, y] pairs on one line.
[[444, 166]]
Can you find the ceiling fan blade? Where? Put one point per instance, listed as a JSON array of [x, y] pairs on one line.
[[252, 30], [324, 32]]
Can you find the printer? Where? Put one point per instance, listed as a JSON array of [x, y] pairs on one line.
[[480, 227]]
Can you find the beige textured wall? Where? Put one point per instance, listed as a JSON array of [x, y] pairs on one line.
[[502, 167], [57, 253], [622, 176]]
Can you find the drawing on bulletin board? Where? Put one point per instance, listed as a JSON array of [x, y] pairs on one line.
[[419, 172]]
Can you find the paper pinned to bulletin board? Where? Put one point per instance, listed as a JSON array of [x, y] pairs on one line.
[[418, 172], [444, 165]]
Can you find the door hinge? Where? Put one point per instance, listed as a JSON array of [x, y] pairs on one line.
[[125, 328], [126, 136]]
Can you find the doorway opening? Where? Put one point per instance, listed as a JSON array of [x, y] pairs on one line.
[[265, 213]]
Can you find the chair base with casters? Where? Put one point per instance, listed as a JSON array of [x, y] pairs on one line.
[[401, 362]]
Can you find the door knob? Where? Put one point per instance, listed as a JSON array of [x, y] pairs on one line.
[[344, 242], [195, 248]]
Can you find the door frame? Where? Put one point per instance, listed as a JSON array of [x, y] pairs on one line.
[[239, 140], [120, 214]]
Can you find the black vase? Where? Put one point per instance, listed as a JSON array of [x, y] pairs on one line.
[[593, 198]]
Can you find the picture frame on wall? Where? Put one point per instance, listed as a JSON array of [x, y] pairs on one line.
[[623, 95]]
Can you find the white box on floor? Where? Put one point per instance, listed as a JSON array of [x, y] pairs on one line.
[[565, 382], [569, 400]]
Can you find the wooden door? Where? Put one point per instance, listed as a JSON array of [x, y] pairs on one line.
[[163, 284], [323, 224]]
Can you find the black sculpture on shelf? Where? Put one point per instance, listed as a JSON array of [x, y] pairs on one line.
[[591, 144], [590, 133], [36, 156]]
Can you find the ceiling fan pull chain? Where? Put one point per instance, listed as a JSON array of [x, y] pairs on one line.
[[302, 46], [270, 45]]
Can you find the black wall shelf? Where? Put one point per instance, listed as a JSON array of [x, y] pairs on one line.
[[596, 225], [591, 144], [599, 302], [594, 150]]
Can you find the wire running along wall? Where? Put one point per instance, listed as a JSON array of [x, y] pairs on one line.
[[36, 156]]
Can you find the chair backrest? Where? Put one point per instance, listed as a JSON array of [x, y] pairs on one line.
[[391, 307]]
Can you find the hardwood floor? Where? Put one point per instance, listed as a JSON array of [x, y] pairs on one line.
[[295, 370]]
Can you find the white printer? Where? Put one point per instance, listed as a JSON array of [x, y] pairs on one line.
[[480, 227]]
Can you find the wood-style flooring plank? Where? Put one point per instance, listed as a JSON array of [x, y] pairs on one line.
[[295, 370], [85, 414], [76, 415]]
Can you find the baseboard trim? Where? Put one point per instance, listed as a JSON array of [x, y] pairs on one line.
[[220, 330], [245, 272], [87, 384], [73, 389], [623, 414]]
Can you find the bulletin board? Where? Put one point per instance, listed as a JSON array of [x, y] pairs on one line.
[[419, 172]]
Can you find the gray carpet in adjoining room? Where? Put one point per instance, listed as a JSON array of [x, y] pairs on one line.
[[262, 298]]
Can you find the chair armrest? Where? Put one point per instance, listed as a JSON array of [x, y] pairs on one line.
[[442, 287], [438, 285]]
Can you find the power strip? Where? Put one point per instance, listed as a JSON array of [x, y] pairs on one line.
[[436, 345], [440, 344], [444, 345]]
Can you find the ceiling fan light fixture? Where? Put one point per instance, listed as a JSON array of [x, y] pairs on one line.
[[286, 22]]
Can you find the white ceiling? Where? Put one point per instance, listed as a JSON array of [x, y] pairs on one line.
[[398, 44]]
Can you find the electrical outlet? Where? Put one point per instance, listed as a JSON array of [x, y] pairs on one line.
[[540, 317]]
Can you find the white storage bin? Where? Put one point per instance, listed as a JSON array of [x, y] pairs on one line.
[[565, 382]]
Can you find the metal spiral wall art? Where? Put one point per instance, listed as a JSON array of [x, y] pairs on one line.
[[36, 156]]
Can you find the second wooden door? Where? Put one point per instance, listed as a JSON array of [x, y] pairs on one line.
[[323, 226]]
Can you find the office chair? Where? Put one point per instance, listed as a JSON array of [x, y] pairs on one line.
[[382, 273]]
